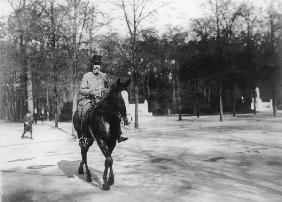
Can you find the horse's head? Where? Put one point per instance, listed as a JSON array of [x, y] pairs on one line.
[[120, 86], [114, 97]]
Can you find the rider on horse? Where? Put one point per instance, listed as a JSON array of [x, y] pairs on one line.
[[93, 86]]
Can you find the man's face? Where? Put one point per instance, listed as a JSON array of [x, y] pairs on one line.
[[96, 69]]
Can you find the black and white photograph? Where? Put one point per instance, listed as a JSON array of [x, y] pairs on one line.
[[141, 100]]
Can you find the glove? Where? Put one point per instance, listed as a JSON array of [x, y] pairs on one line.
[[92, 93], [125, 121]]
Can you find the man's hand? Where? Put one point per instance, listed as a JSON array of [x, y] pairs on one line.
[[125, 121], [92, 93]]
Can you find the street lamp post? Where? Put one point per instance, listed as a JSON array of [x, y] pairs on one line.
[[179, 95], [171, 77], [179, 91], [169, 104]]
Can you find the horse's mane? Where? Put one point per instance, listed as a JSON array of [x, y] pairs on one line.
[[104, 105]]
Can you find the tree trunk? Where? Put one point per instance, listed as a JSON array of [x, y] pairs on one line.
[[29, 89], [13, 102], [6, 103], [56, 115], [255, 105], [53, 45], [196, 100], [179, 97], [209, 97], [274, 106], [47, 105], [173, 92], [220, 103], [272, 45], [74, 94], [74, 104], [233, 100], [148, 87], [136, 125], [198, 109], [179, 104], [74, 63]]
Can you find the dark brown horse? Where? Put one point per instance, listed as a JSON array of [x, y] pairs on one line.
[[104, 126]]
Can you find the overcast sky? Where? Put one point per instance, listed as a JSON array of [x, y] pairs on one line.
[[175, 13]]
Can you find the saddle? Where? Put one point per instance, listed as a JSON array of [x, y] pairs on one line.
[[94, 104]]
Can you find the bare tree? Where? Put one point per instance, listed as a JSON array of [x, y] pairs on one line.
[[224, 14], [23, 20], [275, 27], [249, 22], [135, 12], [76, 24]]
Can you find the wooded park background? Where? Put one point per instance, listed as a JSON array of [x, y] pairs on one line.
[[205, 66]]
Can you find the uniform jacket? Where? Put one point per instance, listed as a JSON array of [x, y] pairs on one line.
[[90, 81], [27, 119]]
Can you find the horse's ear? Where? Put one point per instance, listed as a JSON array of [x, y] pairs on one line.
[[128, 82]]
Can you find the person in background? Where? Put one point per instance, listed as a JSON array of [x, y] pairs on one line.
[[35, 116], [27, 120]]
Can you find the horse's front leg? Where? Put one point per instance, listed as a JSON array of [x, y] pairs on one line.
[[111, 179], [84, 161], [80, 168], [108, 163], [84, 149], [88, 174]]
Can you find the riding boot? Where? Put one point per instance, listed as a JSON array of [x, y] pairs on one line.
[[120, 138], [85, 120], [85, 131]]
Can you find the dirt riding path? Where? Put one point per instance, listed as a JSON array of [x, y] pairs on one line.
[[166, 160]]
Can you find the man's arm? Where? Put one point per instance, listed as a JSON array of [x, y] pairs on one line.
[[25, 119], [107, 81], [84, 89]]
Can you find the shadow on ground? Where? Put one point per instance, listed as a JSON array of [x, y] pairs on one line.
[[70, 168]]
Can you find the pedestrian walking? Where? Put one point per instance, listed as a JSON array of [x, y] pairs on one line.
[[27, 120]]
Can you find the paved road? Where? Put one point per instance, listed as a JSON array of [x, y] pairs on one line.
[[166, 160]]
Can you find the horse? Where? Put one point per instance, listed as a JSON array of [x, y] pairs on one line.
[[104, 126]]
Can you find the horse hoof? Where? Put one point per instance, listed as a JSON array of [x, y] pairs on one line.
[[89, 179], [80, 171], [111, 181], [106, 187]]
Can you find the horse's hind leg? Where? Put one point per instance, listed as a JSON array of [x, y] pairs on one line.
[[80, 169], [88, 174], [84, 144], [84, 151], [108, 163]]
